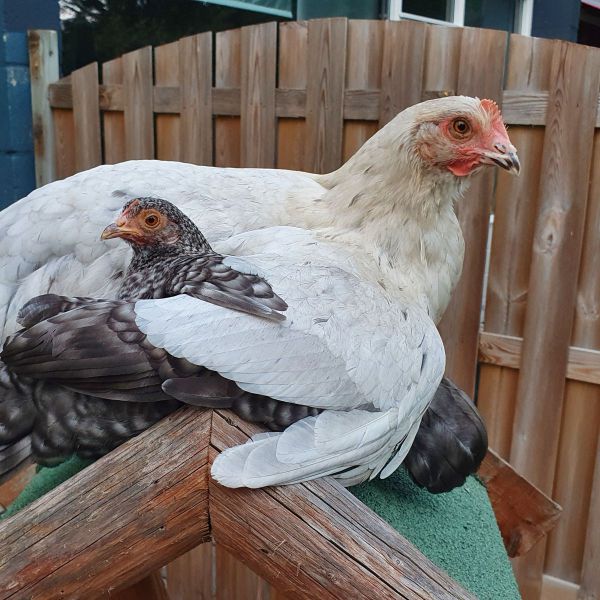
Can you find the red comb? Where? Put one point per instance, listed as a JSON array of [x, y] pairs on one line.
[[491, 108]]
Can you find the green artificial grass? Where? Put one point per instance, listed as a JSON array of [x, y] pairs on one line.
[[457, 531]]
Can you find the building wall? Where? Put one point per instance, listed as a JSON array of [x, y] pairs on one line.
[[17, 171]]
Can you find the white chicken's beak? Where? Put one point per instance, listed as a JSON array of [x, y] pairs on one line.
[[505, 158]]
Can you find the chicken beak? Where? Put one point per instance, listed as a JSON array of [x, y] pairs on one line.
[[507, 160], [114, 230]]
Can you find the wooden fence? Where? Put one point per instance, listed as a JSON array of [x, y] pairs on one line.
[[306, 95]]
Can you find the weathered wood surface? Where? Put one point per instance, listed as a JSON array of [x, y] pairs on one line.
[[43, 71], [583, 364], [132, 511], [151, 587], [190, 576], [352, 552], [113, 122], [137, 103], [259, 65], [553, 281], [167, 126], [86, 116], [325, 94], [524, 514]]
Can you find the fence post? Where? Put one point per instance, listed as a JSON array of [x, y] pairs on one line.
[[43, 70]]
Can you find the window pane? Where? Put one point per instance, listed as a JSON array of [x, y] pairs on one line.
[[493, 14], [434, 9]]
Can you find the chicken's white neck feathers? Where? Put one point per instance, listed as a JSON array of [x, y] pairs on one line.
[[387, 202]]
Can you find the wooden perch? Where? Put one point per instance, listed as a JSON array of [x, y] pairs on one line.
[[524, 513], [148, 502]]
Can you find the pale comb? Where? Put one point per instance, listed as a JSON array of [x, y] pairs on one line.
[[491, 108]]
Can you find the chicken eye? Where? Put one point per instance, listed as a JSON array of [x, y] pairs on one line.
[[151, 221], [461, 128]]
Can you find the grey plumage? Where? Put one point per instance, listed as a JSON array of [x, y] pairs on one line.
[[94, 379]]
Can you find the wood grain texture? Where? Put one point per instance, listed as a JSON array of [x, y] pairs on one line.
[[325, 94], [460, 325], [524, 514], [363, 74], [113, 123], [64, 142], [191, 575], [353, 553], [86, 116], [259, 65], [168, 126], [137, 99], [235, 580], [195, 76], [43, 71], [516, 202], [227, 75], [555, 263], [135, 509], [590, 573], [401, 67], [148, 588], [292, 72]]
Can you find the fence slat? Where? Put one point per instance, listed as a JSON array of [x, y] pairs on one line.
[[195, 77], [363, 72], [291, 138], [325, 94], [555, 260], [528, 69], [228, 75], [113, 123], [168, 127], [137, 94], [581, 416], [190, 576], [401, 68], [43, 70], [259, 66], [86, 115], [460, 326]]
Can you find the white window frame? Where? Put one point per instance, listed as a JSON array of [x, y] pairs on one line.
[[523, 16]]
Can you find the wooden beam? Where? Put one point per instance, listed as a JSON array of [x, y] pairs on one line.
[[315, 540], [524, 514], [505, 351], [43, 71], [518, 107], [120, 519]]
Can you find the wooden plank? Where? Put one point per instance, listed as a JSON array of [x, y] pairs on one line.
[[363, 75], [524, 514], [113, 123], [460, 325], [402, 67], [43, 70], [555, 264], [227, 75], [292, 68], [581, 414], [168, 126], [135, 509], [590, 574], [195, 76], [191, 575], [528, 69], [583, 364], [64, 142], [86, 116], [442, 59], [236, 580], [149, 588], [558, 589], [137, 98], [259, 64], [325, 94], [352, 552]]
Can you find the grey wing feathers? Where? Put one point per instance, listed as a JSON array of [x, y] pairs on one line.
[[210, 279], [451, 441], [46, 306], [96, 349]]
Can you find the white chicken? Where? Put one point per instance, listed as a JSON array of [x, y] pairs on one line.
[[390, 208]]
